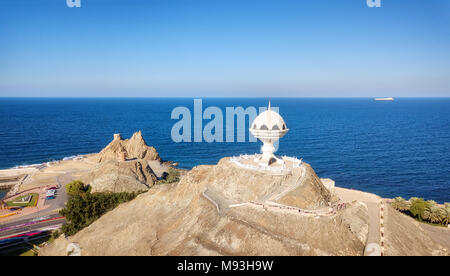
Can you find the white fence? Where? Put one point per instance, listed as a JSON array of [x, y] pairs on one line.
[[237, 160]]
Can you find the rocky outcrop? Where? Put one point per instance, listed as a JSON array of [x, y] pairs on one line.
[[181, 219], [301, 188], [115, 176], [309, 194], [134, 148], [123, 166]]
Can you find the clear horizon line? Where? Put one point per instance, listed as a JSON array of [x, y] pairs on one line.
[[216, 97]]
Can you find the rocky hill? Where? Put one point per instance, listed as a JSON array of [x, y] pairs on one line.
[[123, 166], [227, 210], [134, 148], [116, 176], [301, 188]]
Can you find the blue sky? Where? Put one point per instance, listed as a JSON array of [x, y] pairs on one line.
[[220, 48]]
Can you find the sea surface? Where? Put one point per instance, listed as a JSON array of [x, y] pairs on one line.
[[399, 148]]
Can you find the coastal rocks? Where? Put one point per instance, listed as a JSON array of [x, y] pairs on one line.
[[115, 176], [178, 219], [133, 148]]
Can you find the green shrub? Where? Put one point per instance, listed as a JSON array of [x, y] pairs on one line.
[[418, 206], [76, 187], [54, 235], [171, 176], [82, 209]]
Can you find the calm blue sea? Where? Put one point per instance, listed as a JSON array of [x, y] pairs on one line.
[[399, 148]]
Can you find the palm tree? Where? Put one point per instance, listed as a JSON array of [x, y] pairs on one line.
[[446, 220], [400, 204], [413, 199], [434, 213], [428, 212], [431, 202]]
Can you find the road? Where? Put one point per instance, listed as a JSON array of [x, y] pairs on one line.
[[28, 225], [28, 232], [372, 202]]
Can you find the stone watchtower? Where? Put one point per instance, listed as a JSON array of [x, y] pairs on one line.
[[122, 155], [117, 136]]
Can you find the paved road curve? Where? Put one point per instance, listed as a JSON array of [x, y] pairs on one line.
[[27, 226]]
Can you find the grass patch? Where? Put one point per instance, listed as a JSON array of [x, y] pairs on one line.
[[32, 203]]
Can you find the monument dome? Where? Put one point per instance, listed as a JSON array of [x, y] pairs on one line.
[[268, 127], [269, 120]]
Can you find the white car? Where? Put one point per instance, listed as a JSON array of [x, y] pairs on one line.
[[40, 218], [50, 193]]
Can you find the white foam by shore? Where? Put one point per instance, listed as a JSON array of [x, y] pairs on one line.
[[26, 166], [48, 164], [74, 157]]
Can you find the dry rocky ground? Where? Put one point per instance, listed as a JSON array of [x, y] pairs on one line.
[[194, 217], [407, 237], [225, 210], [179, 220]]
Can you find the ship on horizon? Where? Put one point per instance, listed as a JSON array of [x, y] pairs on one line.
[[384, 99]]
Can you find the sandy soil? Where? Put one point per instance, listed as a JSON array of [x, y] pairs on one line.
[[39, 178], [46, 175], [438, 234]]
